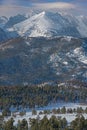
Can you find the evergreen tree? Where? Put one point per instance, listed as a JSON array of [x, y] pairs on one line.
[[23, 125], [9, 125]]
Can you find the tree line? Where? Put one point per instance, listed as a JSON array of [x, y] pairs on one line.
[[34, 96]]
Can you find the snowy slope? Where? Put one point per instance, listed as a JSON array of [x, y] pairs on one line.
[[49, 24], [35, 26]]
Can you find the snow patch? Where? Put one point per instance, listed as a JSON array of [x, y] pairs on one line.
[[79, 53], [65, 63]]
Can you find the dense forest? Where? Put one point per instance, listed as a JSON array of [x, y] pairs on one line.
[[54, 123], [39, 96]]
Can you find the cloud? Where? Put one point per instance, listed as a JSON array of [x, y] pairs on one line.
[[60, 5], [45, 3]]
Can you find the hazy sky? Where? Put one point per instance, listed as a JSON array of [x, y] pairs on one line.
[[28, 2], [12, 6]]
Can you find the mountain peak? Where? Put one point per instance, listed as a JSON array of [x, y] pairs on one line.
[[35, 26], [42, 13]]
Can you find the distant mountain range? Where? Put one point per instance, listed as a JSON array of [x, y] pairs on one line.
[[44, 24], [43, 48]]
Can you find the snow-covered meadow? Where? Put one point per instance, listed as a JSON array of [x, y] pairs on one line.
[[69, 116]]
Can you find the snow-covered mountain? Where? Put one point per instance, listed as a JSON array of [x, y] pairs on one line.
[[49, 24], [35, 26]]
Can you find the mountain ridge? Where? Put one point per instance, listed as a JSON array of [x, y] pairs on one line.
[[41, 59], [49, 24]]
